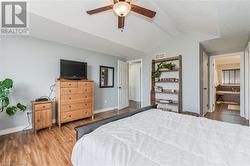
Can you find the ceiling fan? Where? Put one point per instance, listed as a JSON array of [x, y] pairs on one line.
[[122, 8]]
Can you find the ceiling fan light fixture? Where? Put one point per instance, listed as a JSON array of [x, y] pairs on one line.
[[121, 8]]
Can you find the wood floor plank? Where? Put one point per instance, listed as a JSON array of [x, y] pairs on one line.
[[222, 113], [54, 147], [47, 147]]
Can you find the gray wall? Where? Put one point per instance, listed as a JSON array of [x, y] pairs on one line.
[[188, 47], [34, 66]]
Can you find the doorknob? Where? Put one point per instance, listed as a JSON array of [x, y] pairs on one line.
[[205, 88], [120, 87]]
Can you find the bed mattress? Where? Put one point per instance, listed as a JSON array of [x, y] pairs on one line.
[[162, 138]]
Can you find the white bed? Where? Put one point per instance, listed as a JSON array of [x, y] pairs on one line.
[[163, 138]]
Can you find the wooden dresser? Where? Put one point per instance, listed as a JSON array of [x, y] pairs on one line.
[[75, 100], [42, 114]]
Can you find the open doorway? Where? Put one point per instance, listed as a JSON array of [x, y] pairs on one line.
[[225, 86], [135, 83], [129, 85]]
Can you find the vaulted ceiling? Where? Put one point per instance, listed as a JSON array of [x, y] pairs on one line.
[[66, 21]]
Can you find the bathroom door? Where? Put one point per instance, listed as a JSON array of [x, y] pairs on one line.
[[205, 83]]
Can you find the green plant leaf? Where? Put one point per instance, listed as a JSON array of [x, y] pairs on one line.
[[5, 102], [21, 107], [5, 89], [7, 83], [11, 110]]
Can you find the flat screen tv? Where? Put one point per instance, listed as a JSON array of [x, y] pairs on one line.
[[73, 70]]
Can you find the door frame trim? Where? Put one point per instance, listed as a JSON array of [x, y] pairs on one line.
[[201, 50], [141, 91], [242, 80]]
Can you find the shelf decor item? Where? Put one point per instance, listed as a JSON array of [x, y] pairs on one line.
[[167, 74], [163, 67], [5, 90], [158, 89]]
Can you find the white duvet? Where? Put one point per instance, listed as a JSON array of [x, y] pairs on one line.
[[163, 138]]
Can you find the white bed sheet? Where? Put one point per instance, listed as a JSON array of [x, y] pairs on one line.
[[163, 138]]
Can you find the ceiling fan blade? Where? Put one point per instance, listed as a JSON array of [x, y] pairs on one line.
[[102, 9], [143, 11], [121, 22], [128, 1]]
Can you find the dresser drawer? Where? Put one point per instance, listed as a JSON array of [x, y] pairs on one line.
[[44, 106], [75, 98], [85, 84], [88, 104], [87, 112], [87, 96], [88, 90], [68, 91], [75, 106], [71, 115], [72, 97], [69, 84]]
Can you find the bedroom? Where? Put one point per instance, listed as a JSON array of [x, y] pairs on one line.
[[32, 61]]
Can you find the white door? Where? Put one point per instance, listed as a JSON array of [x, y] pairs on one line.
[[122, 85], [135, 82], [205, 83], [213, 84]]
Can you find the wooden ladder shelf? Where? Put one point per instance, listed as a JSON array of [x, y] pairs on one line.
[[161, 94]]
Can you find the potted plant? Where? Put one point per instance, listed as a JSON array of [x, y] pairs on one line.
[[5, 106], [157, 73], [168, 66]]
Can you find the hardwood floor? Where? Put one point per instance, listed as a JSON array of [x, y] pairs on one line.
[[47, 147], [222, 113], [134, 104], [53, 147]]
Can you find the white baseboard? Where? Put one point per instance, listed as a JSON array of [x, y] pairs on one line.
[[14, 129], [21, 128], [105, 110]]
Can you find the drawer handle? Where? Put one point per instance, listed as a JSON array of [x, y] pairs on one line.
[[85, 90], [44, 106], [69, 106], [69, 84], [69, 90], [86, 96], [70, 116], [85, 104], [70, 98]]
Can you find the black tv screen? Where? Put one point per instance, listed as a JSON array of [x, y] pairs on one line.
[[73, 69]]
